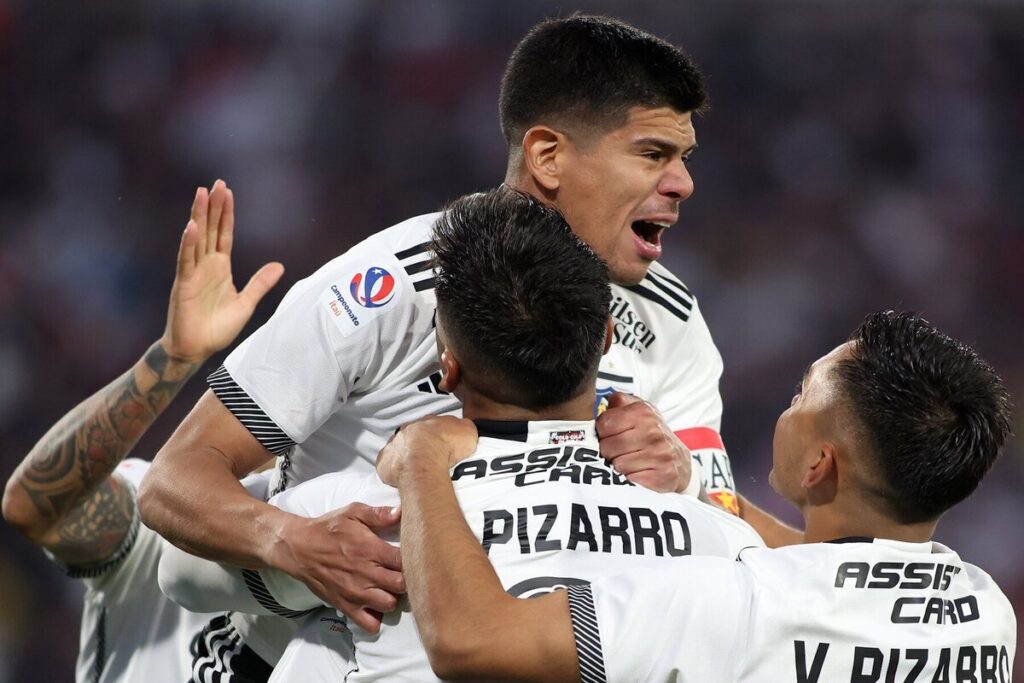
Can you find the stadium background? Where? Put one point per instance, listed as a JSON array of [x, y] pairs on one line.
[[858, 156]]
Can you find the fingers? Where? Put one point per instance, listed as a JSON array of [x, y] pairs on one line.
[[200, 209], [187, 250], [375, 517], [366, 619], [218, 195], [623, 413], [227, 225], [261, 282]]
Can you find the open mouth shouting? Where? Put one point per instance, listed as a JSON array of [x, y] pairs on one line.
[[647, 236]]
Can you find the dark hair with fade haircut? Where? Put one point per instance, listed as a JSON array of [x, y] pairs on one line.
[[521, 299], [934, 414], [592, 70]]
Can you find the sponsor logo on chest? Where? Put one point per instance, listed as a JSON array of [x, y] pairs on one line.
[[628, 329]]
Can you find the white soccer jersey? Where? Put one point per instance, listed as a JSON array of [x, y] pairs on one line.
[[858, 611], [130, 631], [350, 356], [549, 511]]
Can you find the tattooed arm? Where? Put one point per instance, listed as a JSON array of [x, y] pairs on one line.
[[63, 495]]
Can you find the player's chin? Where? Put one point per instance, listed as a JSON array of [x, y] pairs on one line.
[[628, 273]]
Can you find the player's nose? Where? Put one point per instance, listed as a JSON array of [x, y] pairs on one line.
[[676, 182]]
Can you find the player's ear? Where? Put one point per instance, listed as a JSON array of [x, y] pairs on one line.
[[451, 372], [820, 476], [543, 155], [608, 335]]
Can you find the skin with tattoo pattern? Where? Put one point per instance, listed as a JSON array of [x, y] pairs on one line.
[[64, 496]]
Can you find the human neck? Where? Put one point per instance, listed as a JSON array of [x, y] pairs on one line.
[[477, 407], [835, 520]]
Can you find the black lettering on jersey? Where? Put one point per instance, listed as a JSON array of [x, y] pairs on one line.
[[721, 475], [475, 468], [432, 385], [542, 543], [907, 576], [592, 474], [864, 657], [803, 675], [507, 464], [522, 532], [670, 520], [609, 528], [966, 663], [643, 531], [490, 536], [580, 529], [628, 330], [572, 473], [935, 611], [942, 670]]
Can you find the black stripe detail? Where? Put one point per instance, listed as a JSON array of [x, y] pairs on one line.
[[263, 596], [653, 296], [685, 301], [219, 655], [614, 378], [100, 662], [122, 552], [248, 413], [509, 430], [587, 634], [852, 539], [412, 251], [424, 284], [419, 267], [671, 281]]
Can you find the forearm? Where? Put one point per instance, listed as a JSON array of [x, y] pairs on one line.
[[774, 532], [77, 455], [460, 606], [194, 500]]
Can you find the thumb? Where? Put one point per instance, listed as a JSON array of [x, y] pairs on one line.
[[262, 282], [379, 517], [621, 398]]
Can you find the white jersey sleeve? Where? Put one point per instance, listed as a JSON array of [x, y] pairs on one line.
[[339, 331], [622, 633], [282, 593]]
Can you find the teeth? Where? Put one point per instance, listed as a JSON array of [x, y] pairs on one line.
[[661, 224]]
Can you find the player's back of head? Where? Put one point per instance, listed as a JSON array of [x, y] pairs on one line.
[[588, 71], [933, 415], [521, 299]]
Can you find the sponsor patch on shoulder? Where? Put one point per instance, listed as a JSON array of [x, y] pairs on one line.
[[566, 436], [363, 294]]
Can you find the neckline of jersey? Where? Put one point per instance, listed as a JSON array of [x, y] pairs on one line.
[[521, 430]]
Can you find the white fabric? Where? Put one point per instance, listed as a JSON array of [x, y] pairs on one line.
[[793, 614], [339, 390], [145, 636], [519, 498]]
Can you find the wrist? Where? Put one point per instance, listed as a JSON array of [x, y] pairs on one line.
[[180, 360]]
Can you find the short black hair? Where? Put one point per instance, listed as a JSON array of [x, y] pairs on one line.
[[592, 70], [934, 414], [522, 300]]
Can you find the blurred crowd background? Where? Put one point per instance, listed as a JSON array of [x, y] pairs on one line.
[[858, 156]]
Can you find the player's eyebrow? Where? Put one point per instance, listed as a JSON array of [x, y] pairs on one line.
[[667, 146], [807, 372]]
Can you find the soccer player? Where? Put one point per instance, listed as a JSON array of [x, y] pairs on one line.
[[74, 494], [885, 433], [519, 348], [598, 119]]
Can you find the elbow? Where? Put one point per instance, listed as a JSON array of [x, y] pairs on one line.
[[20, 513], [454, 656]]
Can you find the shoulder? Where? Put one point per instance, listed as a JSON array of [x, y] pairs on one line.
[[663, 294]]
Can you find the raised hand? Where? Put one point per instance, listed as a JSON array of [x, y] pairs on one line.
[[206, 312], [638, 443]]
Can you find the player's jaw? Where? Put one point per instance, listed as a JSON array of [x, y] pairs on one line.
[[639, 244]]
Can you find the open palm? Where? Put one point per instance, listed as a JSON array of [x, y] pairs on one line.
[[206, 312]]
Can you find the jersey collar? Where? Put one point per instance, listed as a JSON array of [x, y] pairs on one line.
[[539, 432]]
